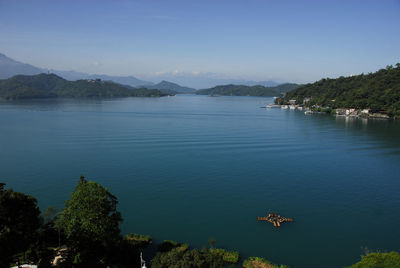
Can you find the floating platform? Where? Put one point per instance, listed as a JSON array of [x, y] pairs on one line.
[[275, 219]]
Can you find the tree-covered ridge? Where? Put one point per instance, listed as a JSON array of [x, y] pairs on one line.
[[379, 91], [53, 86], [171, 88], [241, 90]]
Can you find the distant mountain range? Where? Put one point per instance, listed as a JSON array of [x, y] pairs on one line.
[[242, 90], [10, 67]]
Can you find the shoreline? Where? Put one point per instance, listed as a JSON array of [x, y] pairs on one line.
[[342, 112]]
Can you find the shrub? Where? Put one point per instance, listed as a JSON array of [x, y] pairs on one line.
[[227, 256], [381, 260], [138, 239], [257, 262]]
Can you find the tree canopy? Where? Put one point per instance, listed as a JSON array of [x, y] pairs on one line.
[[376, 91], [379, 260], [178, 257], [19, 223], [91, 221]]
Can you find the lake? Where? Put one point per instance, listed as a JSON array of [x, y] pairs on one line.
[[189, 167]]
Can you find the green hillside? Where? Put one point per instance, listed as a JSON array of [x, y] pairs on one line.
[[379, 91], [241, 90], [171, 88], [53, 86]]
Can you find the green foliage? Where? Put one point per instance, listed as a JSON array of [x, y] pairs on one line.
[[257, 262], [168, 245], [19, 223], [376, 91], [227, 256], [138, 239], [379, 260], [177, 258], [91, 221], [52, 86], [240, 90]]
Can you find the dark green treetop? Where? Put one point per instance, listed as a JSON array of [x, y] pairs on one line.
[[91, 221], [19, 223], [379, 260]]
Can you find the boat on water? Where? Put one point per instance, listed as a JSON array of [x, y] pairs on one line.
[[275, 219]]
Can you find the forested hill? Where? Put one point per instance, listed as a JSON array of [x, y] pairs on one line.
[[53, 86], [168, 87], [376, 91], [241, 90]]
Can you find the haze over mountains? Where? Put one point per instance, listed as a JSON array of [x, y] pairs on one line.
[[10, 67]]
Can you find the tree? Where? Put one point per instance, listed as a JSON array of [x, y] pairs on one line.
[[187, 258], [376, 259], [19, 222], [91, 223]]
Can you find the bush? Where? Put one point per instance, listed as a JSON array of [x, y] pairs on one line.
[[257, 262], [138, 239], [227, 256], [195, 258], [379, 260], [168, 245]]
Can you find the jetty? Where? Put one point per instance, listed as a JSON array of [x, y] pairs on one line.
[[275, 219]]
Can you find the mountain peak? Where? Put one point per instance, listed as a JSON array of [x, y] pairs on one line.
[[165, 82], [172, 87], [3, 58]]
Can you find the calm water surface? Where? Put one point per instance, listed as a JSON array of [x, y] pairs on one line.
[[192, 167]]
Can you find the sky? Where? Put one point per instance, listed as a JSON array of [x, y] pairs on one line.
[[291, 41]]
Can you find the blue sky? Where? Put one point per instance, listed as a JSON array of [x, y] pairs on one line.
[[296, 41]]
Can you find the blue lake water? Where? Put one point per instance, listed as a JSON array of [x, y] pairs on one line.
[[189, 167]]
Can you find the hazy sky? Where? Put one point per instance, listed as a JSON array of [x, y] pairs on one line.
[[297, 41]]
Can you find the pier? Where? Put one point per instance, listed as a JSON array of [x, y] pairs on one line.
[[275, 219]]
